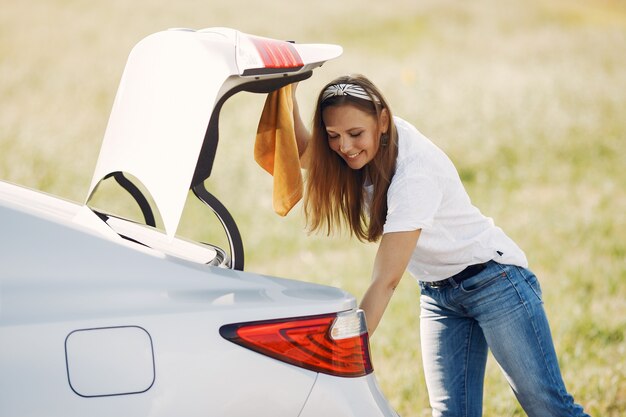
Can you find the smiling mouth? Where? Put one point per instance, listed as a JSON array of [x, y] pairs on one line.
[[353, 155]]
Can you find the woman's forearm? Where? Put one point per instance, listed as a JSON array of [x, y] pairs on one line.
[[302, 133], [392, 258], [374, 303]]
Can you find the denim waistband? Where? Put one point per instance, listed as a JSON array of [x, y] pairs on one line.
[[456, 279]]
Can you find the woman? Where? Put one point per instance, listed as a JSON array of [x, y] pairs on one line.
[[377, 175]]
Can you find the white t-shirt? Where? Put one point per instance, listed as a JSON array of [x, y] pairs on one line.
[[426, 193]]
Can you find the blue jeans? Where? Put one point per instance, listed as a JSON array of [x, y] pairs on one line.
[[500, 309]]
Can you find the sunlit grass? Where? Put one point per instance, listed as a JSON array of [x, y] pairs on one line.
[[527, 97]]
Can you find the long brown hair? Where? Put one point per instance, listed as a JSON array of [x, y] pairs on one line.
[[335, 192]]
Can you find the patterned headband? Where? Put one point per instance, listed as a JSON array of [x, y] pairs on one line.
[[352, 90]]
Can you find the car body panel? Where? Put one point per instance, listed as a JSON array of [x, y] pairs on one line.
[[114, 283], [323, 402], [194, 378], [137, 279]]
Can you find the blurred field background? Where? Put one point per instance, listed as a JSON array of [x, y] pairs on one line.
[[527, 97]]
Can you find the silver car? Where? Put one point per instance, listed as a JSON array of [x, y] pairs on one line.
[[102, 316]]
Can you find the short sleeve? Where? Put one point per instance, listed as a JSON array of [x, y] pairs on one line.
[[412, 202]]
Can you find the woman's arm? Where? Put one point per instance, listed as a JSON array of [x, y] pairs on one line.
[[302, 134], [392, 258]]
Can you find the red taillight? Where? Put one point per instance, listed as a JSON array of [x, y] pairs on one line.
[[308, 342], [263, 56], [277, 54]]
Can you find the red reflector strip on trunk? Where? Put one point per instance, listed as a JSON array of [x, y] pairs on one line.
[[305, 342], [277, 54]]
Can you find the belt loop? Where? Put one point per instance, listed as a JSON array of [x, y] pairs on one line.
[[453, 283]]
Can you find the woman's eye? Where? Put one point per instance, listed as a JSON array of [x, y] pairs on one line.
[[332, 136], [355, 134]]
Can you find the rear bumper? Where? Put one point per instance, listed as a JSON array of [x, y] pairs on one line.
[[332, 396]]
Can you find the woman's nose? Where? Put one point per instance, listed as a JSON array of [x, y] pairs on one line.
[[344, 145]]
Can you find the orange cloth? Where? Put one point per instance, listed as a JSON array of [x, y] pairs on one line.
[[276, 150]]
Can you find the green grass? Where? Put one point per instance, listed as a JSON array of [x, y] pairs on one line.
[[527, 97]]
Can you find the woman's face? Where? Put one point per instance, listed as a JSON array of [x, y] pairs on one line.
[[353, 133]]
